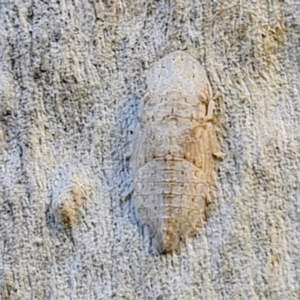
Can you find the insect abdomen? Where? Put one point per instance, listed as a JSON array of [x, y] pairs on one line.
[[170, 198]]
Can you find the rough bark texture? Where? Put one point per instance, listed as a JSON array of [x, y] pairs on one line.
[[71, 76]]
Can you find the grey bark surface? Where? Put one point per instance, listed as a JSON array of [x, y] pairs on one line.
[[72, 74]]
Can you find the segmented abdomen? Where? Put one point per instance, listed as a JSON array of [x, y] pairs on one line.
[[170, 198]]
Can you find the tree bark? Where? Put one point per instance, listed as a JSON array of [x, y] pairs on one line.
[[72, 77]]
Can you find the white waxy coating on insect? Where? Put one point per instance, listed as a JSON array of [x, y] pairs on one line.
[[176, 149]]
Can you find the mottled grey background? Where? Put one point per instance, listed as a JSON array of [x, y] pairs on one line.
[[71, 77]]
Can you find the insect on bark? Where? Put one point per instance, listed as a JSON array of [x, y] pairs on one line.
[[176, 151]]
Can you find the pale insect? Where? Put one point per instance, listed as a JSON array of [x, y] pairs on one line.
[[176, 150]]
